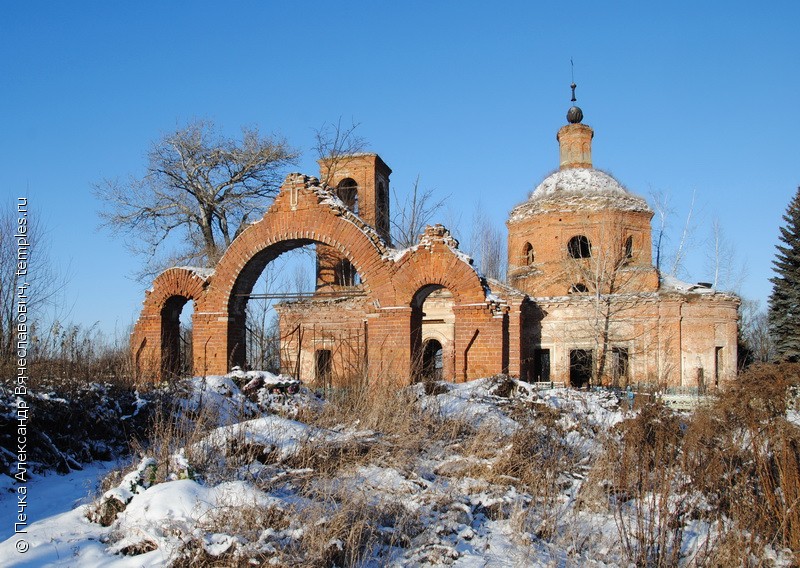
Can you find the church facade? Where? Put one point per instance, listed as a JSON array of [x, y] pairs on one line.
[[582, 303]]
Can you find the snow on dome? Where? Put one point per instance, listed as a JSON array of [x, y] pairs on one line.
[[578, 180], [578, 188]]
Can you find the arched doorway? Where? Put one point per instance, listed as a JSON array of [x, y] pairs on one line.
[[319, 333], [176, 338], [432, 360], [432, 333]]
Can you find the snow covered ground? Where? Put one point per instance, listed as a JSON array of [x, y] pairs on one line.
[[53, 494], [487, 473]]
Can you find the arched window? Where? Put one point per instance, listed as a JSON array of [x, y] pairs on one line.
[[382, 204], [347, 190], [578, 288], [527, 254], [629, 248], [346, 274], [579, 247]]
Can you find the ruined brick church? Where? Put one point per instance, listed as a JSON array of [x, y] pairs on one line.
[[582, 304]]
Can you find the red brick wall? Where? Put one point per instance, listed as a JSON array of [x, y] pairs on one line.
[[301, 215]]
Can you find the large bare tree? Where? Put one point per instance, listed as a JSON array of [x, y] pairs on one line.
[[605, 276], [199, 185]]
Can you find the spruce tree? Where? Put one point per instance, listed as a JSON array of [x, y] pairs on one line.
[[784, 302]]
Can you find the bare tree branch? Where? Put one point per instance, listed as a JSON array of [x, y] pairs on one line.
[[45, 284], [413, 214], [199, 186], [335, 144], [487, 246]]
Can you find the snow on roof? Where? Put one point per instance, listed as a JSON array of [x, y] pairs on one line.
[[671, 284], [500, 291], [432, 234], [578, 188]]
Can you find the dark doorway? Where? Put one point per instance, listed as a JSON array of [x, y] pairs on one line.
[[432, 360], [176, 338], [541, 365], [323, 367], [619, 366], [580, 367]]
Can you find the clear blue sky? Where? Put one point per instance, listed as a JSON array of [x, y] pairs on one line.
[[683, 97]]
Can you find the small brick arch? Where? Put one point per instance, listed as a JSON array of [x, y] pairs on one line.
[[187, 282], [435, 263], [153, 336]]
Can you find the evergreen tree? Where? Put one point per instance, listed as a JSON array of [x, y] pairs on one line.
[[784, 303]]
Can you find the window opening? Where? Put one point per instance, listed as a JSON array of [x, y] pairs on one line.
[[347, 190], [528, 254], [580, 367], [346, 274], [578, 288], [579, 247]]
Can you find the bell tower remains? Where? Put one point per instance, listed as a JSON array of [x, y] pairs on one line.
[[361, 181]]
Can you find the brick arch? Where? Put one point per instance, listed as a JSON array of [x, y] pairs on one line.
[[189, 283], [301, 214], [436, 263], [264, 241], [440, 266], [153, 334]]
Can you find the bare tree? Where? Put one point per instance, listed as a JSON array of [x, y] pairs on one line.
[[605, 274], [44, 283], [488, 246], [413, 213], [683, 244], [728, 273], [663, 213], [334, 143], [756, 340], [198, 185]]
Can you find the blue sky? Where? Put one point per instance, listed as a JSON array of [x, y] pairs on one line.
[[683, 96]]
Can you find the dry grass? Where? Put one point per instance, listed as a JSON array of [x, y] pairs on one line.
[[734, 465], [746, 457]]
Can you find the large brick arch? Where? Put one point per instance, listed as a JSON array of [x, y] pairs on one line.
[[303, 213], [153, 335]]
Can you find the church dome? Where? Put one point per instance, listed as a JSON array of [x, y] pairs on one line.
[[579, 189], [578, 180]]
